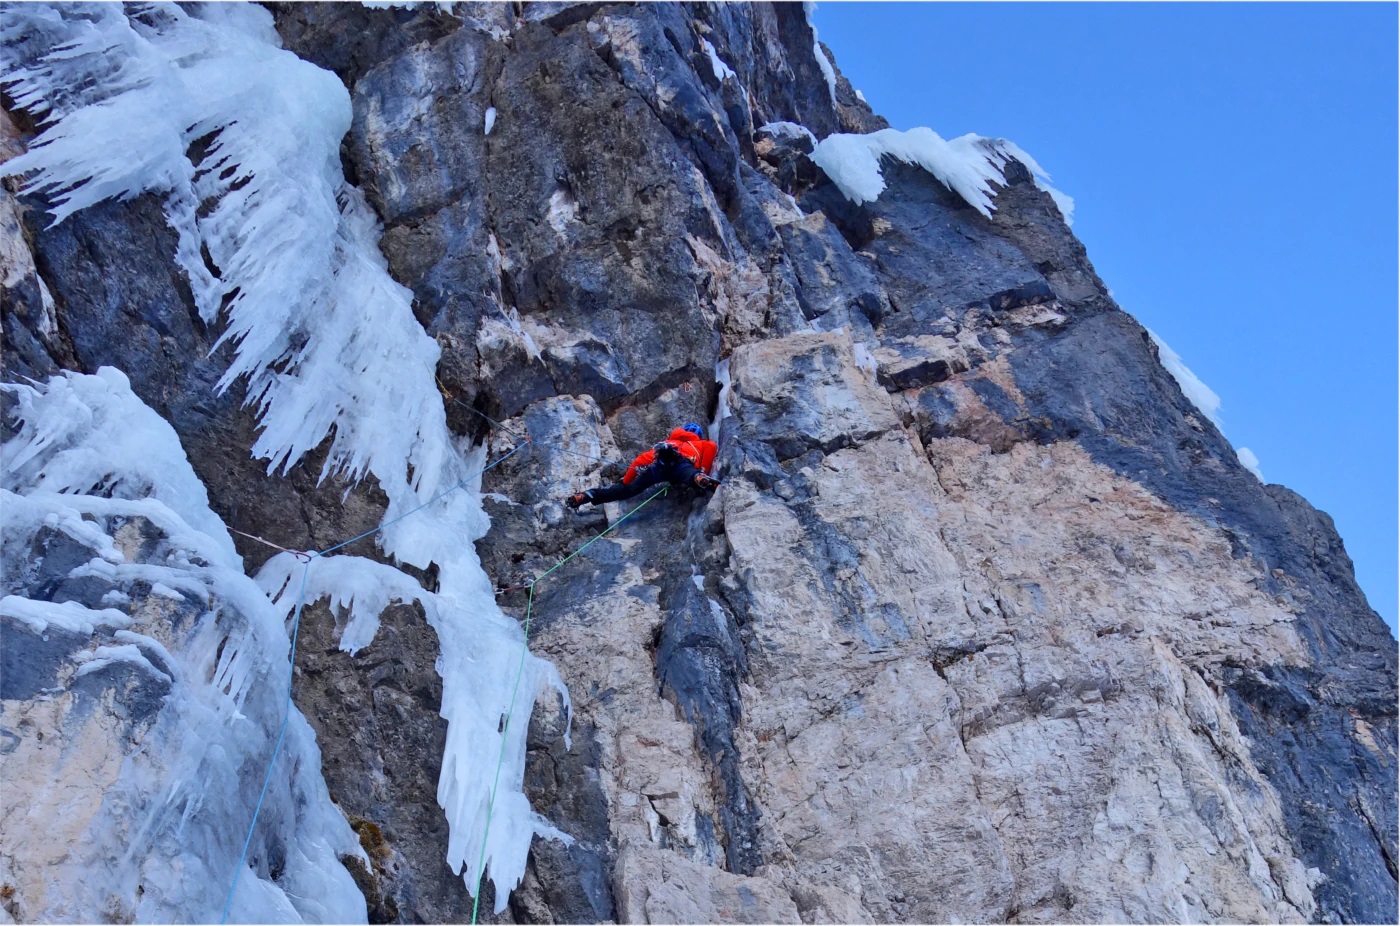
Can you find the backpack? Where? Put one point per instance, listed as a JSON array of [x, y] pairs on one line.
[[667, 452]]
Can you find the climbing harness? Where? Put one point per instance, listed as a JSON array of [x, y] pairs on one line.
[[296, 628], [524, 647]]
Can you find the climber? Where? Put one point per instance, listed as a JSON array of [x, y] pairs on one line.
[[683, 459]]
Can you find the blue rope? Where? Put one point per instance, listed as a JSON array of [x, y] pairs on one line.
[[296, 629], [286, 716], [346, 543], [586, 456]]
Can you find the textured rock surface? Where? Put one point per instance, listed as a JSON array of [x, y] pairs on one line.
[[137, 719], [987, 622]]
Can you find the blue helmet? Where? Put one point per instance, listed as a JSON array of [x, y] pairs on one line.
[[695, 429]]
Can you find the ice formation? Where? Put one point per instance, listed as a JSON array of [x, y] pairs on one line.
[[865, 360], [789, 130], [722, 409], [808, 8], [324, 337], [205, 674], [1201, 396], [89, 442], [968, 165], [512, 317], [1250, 462], [717, 64]]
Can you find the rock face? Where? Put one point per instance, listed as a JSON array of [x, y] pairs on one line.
[[986, 622], [143, 680]]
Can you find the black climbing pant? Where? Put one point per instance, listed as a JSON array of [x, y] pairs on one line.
[[680, 473]]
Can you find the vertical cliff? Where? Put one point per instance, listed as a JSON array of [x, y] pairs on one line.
[[987, 621]]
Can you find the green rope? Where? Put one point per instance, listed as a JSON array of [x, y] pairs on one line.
[[520, 671]]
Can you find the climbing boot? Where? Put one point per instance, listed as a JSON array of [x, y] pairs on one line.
[[576, 500], [706, 483]]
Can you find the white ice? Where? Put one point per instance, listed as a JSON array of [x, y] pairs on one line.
[[808, 8], [183, 800], [853, 163], [104, 656], [1250, 462], [865, 360], [969, 165], [562, 210], [1201, 396], [325, 339], [722, 410], [357, 587], [70, 616], [789, 130], [77, 438], [512, 318], [721, 69]]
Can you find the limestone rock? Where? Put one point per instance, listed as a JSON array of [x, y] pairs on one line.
[[806, 392], [985, 623], [660, 887]]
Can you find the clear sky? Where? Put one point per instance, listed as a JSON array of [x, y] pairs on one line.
[[1234, 169]]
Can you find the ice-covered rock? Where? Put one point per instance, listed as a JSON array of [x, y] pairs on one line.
[[145, 681], [988, 622]]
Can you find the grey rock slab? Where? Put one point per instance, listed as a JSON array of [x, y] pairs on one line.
[[805, 391], [351, 39], [418, 138], [931, 251]]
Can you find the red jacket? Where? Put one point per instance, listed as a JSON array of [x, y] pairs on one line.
[[697, 450]]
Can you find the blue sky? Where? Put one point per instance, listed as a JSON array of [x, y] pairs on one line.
[[1233, 167]]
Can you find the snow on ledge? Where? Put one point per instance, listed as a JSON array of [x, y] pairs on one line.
[[721, 69], [823, 62], [967, 165], [789, 130], [1201, 396]]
